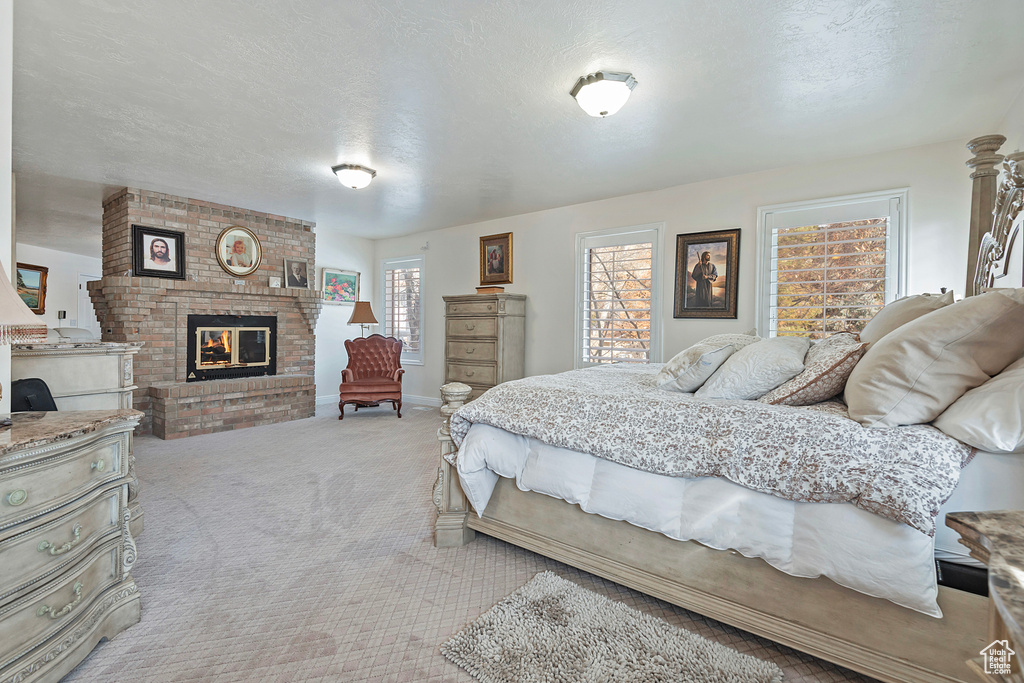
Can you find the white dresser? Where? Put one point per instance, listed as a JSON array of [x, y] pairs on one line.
[[84, 375], [485, 339], [66, 548]]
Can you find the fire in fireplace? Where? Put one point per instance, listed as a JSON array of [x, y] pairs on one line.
[[223, 346]]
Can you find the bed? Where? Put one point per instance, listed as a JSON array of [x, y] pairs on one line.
[[809, 588]]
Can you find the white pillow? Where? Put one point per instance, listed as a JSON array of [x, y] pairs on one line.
[[990, 417], [901, 312], [911, 375], [689, 369], [755, 370]]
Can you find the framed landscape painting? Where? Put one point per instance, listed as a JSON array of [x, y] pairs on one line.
[[707, 274], [339, 286], [32, 286]]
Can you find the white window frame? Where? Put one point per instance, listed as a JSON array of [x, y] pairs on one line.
[[833, 210], [613, 237], [395, 263]]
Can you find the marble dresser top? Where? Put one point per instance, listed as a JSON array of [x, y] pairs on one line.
[[30, 430], [997, 539], [87, 344]]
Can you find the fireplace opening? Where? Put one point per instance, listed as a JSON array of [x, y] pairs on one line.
[[223, 346]]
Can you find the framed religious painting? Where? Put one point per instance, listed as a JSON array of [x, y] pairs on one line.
[[339, 286], [239, 251], [32, 286], [707, 274], [158, 253], [496, 259]]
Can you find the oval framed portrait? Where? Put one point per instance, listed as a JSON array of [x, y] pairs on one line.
[[239, 251]]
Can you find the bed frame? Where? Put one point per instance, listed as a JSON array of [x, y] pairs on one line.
[[816, 616]]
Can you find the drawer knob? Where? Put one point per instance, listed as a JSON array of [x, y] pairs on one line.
[[454, 309], [99, 465], [490, 307], [17, 497], [54, 550], [469, 373], [471, 349], [470, 326], [66, 609]]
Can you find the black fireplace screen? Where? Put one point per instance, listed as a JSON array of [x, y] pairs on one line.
[[223, 346]]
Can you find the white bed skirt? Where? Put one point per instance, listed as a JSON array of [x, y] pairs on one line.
[[853, 547]]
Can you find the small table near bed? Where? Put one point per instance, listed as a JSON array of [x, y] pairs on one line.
[[995, 539]]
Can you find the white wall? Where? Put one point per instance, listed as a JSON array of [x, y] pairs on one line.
[[6, 196], [939, 207], [61, 281], [345, 253], [1012, 126]]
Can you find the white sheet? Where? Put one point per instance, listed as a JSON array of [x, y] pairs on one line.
[[853, 547]]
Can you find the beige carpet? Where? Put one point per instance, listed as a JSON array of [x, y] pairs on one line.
[[302, 552]]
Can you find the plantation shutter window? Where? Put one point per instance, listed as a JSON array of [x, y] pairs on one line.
[[616, 309], [830, 267], [402, 310]]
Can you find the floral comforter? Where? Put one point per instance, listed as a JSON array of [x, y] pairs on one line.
[[812, 454]]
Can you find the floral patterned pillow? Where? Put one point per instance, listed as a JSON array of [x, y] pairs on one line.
[[827, 367]]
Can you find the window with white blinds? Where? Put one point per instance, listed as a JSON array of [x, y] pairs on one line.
[[829, 266], [402, 307], [617, 287]]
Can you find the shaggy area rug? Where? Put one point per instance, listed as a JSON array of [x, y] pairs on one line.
[[553, 630]]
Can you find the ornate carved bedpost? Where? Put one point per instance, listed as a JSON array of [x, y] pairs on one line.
[[983, 197], [450, 530]]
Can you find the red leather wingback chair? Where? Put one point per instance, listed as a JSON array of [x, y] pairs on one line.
[[374, 373]]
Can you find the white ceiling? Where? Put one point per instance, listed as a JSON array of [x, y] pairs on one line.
[[462, 106]]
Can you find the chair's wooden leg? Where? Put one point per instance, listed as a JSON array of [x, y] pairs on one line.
[[398, 407], [341, 411], [357, 408]]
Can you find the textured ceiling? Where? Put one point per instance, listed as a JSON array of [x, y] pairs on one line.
[[462, 106]]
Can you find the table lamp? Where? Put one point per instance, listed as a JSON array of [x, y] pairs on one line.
[[362, 315], [18, 324]]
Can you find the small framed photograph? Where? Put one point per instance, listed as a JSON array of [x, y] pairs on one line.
[[275, 282], [32, 286], [296, 273], [707, 274], [496, 259], [158, 253], [239, 251], [339, 286]]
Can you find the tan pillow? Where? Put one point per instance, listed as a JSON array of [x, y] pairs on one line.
[[826, 369], [990, 417], [689, 369], [913, 374], [901, 312]]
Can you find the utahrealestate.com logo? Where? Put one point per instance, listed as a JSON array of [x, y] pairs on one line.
[[997, 657]]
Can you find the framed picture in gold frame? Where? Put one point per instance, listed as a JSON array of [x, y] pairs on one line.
[[239, 251], [496, 259], [707, 274], [32, 286]]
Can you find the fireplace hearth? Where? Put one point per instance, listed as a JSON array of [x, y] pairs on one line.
[[231, 346]]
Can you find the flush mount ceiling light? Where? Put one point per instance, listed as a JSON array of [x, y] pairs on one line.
[[603, 93], [354, 176]]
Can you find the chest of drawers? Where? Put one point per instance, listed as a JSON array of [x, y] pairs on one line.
[[484, 339], [66, 548]]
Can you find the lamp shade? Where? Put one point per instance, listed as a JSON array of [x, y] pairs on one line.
[[603, 93], [18, 324], [362, 314]]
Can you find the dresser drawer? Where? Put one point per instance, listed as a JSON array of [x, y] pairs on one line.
[[43, 485], [477, 374], [472, 307], [472, 350], [472, 327], [58, 543], [56, 605]]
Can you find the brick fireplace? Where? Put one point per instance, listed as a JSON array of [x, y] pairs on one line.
[[156, 311]]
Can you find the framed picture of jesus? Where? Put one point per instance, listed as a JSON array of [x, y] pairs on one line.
[[707, 274]]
